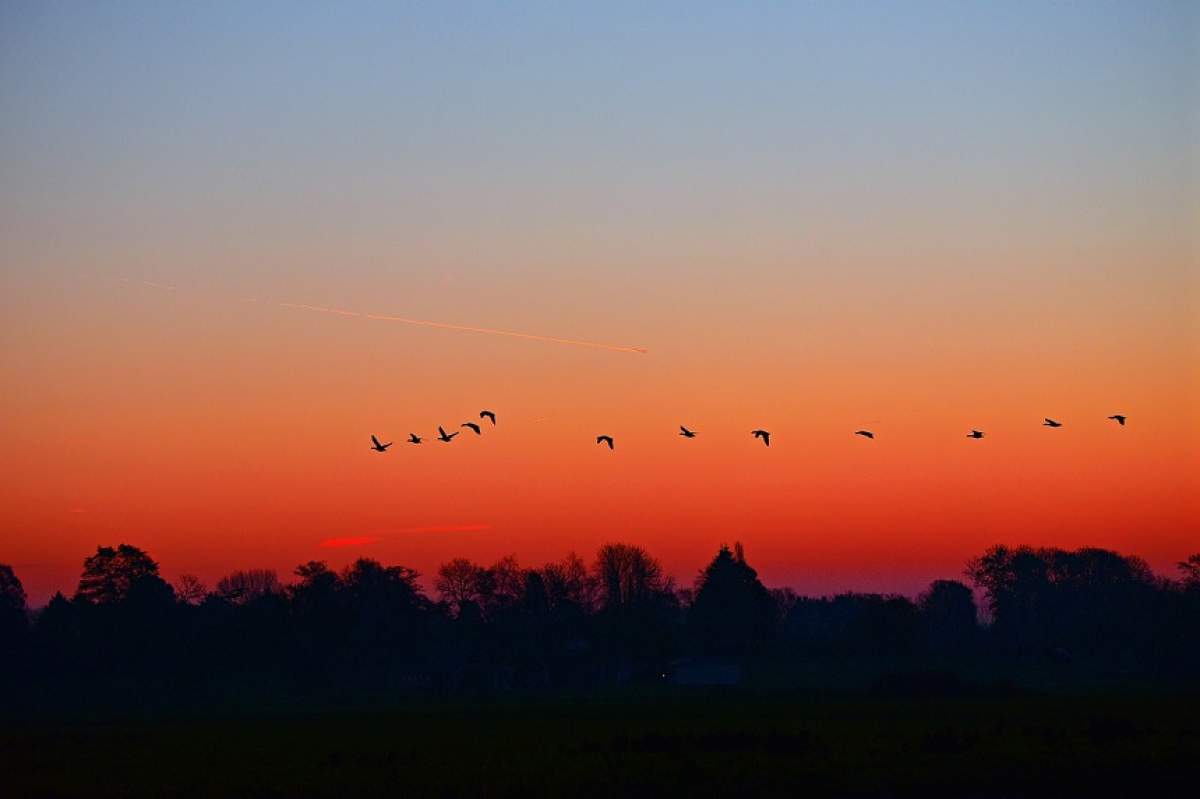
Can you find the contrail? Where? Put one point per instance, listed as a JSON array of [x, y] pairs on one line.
[[465, 328], [422, 322]]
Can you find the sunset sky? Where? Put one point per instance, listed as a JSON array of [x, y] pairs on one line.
[[916, 218]]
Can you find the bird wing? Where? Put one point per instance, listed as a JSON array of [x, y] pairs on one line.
[[375, 441]]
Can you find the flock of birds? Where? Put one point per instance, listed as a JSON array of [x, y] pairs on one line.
[[762, 435]]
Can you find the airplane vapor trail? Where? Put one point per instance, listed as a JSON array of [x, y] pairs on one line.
[[150, 283], [465, 328]]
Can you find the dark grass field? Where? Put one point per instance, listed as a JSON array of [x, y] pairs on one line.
[[1045, 746]]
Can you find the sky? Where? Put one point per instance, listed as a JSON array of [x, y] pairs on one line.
[[915, 218]]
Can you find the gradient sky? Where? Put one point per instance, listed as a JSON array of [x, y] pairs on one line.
[[917, 218]]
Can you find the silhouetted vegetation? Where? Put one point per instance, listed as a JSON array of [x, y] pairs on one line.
[[127, 640]]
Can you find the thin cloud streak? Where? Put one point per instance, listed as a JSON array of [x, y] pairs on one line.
[[465, 328], [150, 283], [425, 322]]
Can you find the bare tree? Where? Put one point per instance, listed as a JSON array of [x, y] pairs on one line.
[[627, 575], [569, 581], [507, 581], [190, 590], [461, 581], [241, 587], [1190, 570]]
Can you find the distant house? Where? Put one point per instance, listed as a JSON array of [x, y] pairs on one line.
[[705, 671]]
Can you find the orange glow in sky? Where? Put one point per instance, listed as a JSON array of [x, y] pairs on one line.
[[795, 220]]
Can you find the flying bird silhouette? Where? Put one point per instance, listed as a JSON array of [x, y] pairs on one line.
[[864, 433], [471, 425], [413, 438], [975, 434], [764, 435], [1051, 423], [605, 440], [377, 446], [443, 435], [683, 431], [488, 415], [1118, 418]]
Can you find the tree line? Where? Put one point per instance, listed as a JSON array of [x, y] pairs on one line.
[[128, 638]]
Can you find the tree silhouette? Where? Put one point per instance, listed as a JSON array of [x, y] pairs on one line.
[[1190, 571], [732, 613], [13, 618], [505, 584], [12, 593], [1053, 600], [316, 604], [638, 616], [385, 609], [368, 630], [368, 581], [317, 582], [951, 618], [58, 632], [110, 575], [241, 587], [568, 582], [190, 590], [460, 581], [627, 576]]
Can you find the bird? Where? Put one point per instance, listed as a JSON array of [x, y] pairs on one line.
[[605, 440], [764, 435], [413, 438], [864, 433], [490, 415], [1051, 423], [683, 431], [377, 446], [443, 435], [975, 434], [1118, 418], [471, 425]]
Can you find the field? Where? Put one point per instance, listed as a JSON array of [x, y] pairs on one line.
[[663, 745]]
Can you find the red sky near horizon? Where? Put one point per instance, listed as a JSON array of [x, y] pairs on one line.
[[811, 226]]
